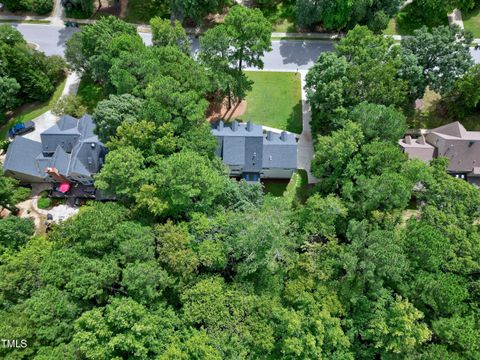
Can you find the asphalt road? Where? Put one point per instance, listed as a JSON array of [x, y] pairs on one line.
[[285, 54]]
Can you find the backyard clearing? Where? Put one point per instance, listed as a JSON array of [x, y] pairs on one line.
[[471, 21], [275, 100]]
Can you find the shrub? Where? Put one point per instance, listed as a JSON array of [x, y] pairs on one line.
[[70, 105], [40, 7], [44, 203]]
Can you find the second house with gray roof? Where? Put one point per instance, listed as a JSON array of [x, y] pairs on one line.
[[253, 154]]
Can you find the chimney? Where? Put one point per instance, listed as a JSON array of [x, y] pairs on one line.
[[408, 140], [249, 125], [421, 140], [53, 172], [235, 125], [220, 125], [283, 136], [269, 136]]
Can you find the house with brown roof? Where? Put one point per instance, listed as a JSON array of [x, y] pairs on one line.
[[452, 141]]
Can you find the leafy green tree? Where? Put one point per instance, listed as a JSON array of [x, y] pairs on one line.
[[92, 231], [241, 195], [379, 122], [51, 313], [20, 271], [10, 193], [250, 35], [166, 102], [14, 233], [89, 279], [376, 158], [145, 281], [325, 84], [459, 333], [11, 36], [262, 232], [122, 174], [36, 73], [337, 14], [124, 329], [323, 226], [434, 12], [332, 154], [433, 50], [464, 98], [195, 10], [139, 135], [388, 192], [180, 184], [375, 63], [85, 7], [9, 89], [236, 321], [440, 293], [41, 7], [164, 33], [175, 251], [216, 55], [395, 326], [88, 50], [332, 84], [113, 112]]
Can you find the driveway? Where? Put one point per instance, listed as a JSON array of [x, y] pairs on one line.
[[48, 119]]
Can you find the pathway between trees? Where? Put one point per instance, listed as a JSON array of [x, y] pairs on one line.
[[455, 18]]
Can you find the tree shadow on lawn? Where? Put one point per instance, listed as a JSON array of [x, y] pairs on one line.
[[294, 122]]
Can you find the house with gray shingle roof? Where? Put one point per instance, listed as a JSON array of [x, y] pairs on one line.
[[69, 151], [252, 153], [453, 141]]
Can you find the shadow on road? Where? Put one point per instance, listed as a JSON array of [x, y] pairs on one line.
[[292, 53]]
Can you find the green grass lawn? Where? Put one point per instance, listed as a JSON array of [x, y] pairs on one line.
[[90, 94], [403, 24], [471, 20], [274, 187], [275, 100], [141, 11], [31, 111], [297, 189]]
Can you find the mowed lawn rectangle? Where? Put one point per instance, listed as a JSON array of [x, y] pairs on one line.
[[471, 20], [275, 100]]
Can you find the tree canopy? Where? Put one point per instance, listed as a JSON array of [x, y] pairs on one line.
[[378, 260]]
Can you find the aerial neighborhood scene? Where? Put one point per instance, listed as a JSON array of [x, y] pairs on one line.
[[240, 179]]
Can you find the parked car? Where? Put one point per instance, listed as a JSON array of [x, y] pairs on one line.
[[72, 24], [21, 129]]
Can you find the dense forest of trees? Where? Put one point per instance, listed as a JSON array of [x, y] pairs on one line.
[[382, 261]]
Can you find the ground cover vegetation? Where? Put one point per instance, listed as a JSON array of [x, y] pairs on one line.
[[41, 7], [189, 264]]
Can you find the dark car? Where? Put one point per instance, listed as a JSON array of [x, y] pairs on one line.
[[72, 24], [21, 129]]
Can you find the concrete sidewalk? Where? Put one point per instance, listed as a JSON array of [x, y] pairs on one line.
[[455, 18]]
